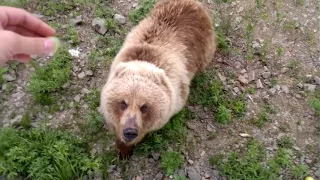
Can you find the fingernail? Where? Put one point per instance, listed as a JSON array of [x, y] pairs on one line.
[[51, 45]]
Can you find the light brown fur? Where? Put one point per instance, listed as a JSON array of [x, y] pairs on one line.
[[155, 66]]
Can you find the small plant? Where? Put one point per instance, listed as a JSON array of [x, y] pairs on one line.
[[2, 72], [72, 35], [170, 161], [249, 36], [263, 117], [315, 103], [140, 12], [273, 81], [260, 3], [300, 171], [50, 8], [223, 114], [49, 79], [44, 153], [285, 142]]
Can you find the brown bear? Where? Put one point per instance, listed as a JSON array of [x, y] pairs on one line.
[[149, 79]]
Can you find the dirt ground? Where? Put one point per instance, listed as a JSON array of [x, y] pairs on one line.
[[286, 32]]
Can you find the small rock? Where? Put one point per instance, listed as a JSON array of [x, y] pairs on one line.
[[207, 175], [243, 71], [99, 25], [120, 19], [215, 173], [252, 76], [222, 78], [317, 173], [193, 174], [266, 75], [272, 91], [317, 80], [285, 89], [309, 87], [300, 85], [151, 160], [155, 156], [16, 120], [296, 148], [81, 75], [138, 178], [77, 98], [8, 77], [4, 87], [159, 176], [236, 90], [202, 153], [39, 16], [243, 80], [265, 68], [284, 70], [190, 161], [89, 73], [66, 85], [259, 84], [209, 128], [191, 126], [309, 161], [76, 21]]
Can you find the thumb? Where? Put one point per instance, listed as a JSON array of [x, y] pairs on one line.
[[31, 45]]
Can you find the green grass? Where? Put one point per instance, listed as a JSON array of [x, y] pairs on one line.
[[51, 8], [47, 80], [171, 161], [71, 35], [2, 72], [140, 12], [314, 103], [14, 3], [285, 142], [253, 164], [174, 133], [207, 91], [44, 153], [249, 37], [263, 116]]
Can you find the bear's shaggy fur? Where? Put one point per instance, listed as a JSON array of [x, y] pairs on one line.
[[149, 78]]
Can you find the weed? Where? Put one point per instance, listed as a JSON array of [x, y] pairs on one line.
[[2, 72], [26, 121], [263, 117], [260, 3], [207, 91], [50, 78], [300, 171], [249, 37], [222, 32], [250, 163], [279, 51], [170, 161], [273, 81], [300, 2], [44, 153], [251, 90], [285, 142], [174, 133], [15, 3], [72, 35], [290, 25], [102, 9], [50, 8], [140, 12], [314, 103]]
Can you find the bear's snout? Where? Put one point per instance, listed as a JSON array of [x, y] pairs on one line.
[[130, 134]]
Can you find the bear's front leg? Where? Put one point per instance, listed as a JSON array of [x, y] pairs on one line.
[[124, 151]]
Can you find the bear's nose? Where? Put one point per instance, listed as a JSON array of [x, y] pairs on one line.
[[130, 133]]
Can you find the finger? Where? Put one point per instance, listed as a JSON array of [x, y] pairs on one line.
[[11, 16], [22, 57], [22, 31], [18, 44]]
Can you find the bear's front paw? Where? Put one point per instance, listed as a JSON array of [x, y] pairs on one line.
[[123, 151]]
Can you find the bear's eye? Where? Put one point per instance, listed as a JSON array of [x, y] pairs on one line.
[[123, 105], [144, 109]]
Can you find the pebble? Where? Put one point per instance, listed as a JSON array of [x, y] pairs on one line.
[[155, 156], [272, 91], [259, 84], [243, 71], [209, 128], [76, 21], [243, 80], [81, 75], [4, 87], [66, 85], [77, 98], [317, 173], [159, 176], [138, 178], [16, 120], [193, 174], [8, 77], [99, 25], [317, 80], [284, 70], [309, 87], [215, 173], [120, 19], [309, 161], [252, 76], [300, 85], [285, 89], [296, 148], [207, 175], [190, 161], [222, 78], [89, 73], [266, 75], [236, 90]]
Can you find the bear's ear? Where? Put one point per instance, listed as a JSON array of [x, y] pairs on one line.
[[119, 71], [161, 78]]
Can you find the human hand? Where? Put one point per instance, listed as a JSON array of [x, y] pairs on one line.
[[22, 35]]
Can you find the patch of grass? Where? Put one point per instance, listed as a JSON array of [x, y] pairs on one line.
[[223, 31], [290, 25], [285, 142], [207, 91], [2, 72], [102, 9], [279, 51], [174, 133], [300, 171], [253, 163], [179, 177], [314, 103], [251, 90], [72, 35], [171, 161], [44, 153], [50, 8], [223, 1], [14, 3], [260, 3], [49, 79], [273, 81], [140, 12], [249, 37], [262, 119]]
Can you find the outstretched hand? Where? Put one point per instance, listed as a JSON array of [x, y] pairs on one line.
[[22, 35]]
